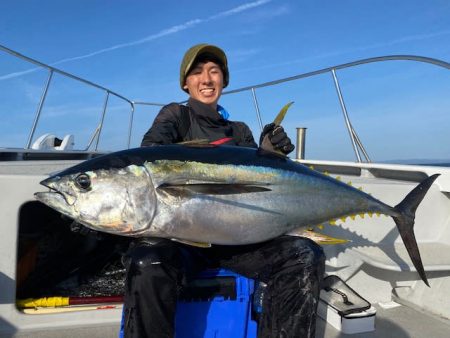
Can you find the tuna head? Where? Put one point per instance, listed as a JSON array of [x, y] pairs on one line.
[[119, 201]]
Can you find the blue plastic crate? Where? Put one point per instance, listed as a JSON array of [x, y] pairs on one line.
[[217, 304], [224, 315]]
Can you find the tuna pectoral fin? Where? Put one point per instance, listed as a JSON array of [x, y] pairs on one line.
[[210, 189], [405, 222]]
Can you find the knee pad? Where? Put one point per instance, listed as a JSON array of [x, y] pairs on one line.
[[311, 252], [145, 256]]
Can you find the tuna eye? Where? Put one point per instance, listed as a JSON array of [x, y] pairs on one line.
[[83, 181]]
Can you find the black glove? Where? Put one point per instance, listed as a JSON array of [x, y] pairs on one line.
[[278, 138], [84, 231]]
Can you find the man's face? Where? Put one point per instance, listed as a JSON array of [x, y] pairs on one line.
[[205, 83]]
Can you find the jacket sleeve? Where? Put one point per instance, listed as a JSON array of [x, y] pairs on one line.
[[245, 135], [165, 127]]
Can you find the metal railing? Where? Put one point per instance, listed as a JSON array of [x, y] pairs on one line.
[[51, 70], [358, 147]]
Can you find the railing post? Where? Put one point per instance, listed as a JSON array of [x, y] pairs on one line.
[[258, 113], [91, 140], [39, 109], [344, 111], [300, 148], [361, 147], [101, 121], [130, 128]]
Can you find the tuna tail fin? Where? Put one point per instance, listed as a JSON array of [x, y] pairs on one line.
[[405, 222]]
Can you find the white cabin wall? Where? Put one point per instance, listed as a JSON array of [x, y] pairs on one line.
[[18, 189]]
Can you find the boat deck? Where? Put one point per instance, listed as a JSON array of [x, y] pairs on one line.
[[397, 322]]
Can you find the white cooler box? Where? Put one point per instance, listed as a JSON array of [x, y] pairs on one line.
[[344, 309]]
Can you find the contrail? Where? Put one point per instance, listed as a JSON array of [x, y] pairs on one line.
[[165, 32]]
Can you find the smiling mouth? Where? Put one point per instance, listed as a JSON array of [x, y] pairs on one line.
[[207, 90]]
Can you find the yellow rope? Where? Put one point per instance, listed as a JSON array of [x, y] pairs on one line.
[[42, 302]]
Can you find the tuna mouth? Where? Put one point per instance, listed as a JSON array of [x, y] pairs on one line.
[[51, 198], [56, 201], [54, 196]]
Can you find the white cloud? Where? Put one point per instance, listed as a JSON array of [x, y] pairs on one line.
[[239, 9]]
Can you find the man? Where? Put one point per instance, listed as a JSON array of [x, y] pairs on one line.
[[291, 268]]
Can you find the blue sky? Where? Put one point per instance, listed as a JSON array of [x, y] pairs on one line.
[[399, 109]]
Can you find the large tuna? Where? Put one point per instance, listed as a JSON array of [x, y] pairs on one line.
[[213, 194]]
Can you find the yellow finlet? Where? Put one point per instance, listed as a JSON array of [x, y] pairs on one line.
[[326, 173], [338, 178], [370, 214], [332, 222], [361, 215], [350, 183], [353, 217], [343, 218], [311, 167], [320, 226]]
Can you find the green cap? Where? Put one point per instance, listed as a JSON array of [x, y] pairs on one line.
[[194, 52]]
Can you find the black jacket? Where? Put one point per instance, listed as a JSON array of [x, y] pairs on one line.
[[196, 121]]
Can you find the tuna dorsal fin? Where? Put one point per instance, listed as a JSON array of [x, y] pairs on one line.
[[197, 143], [192, 243], [266, 145], [279, 118], [211, 188], [269, 153]]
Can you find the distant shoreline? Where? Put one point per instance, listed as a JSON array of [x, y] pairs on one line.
[[435, 162]]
